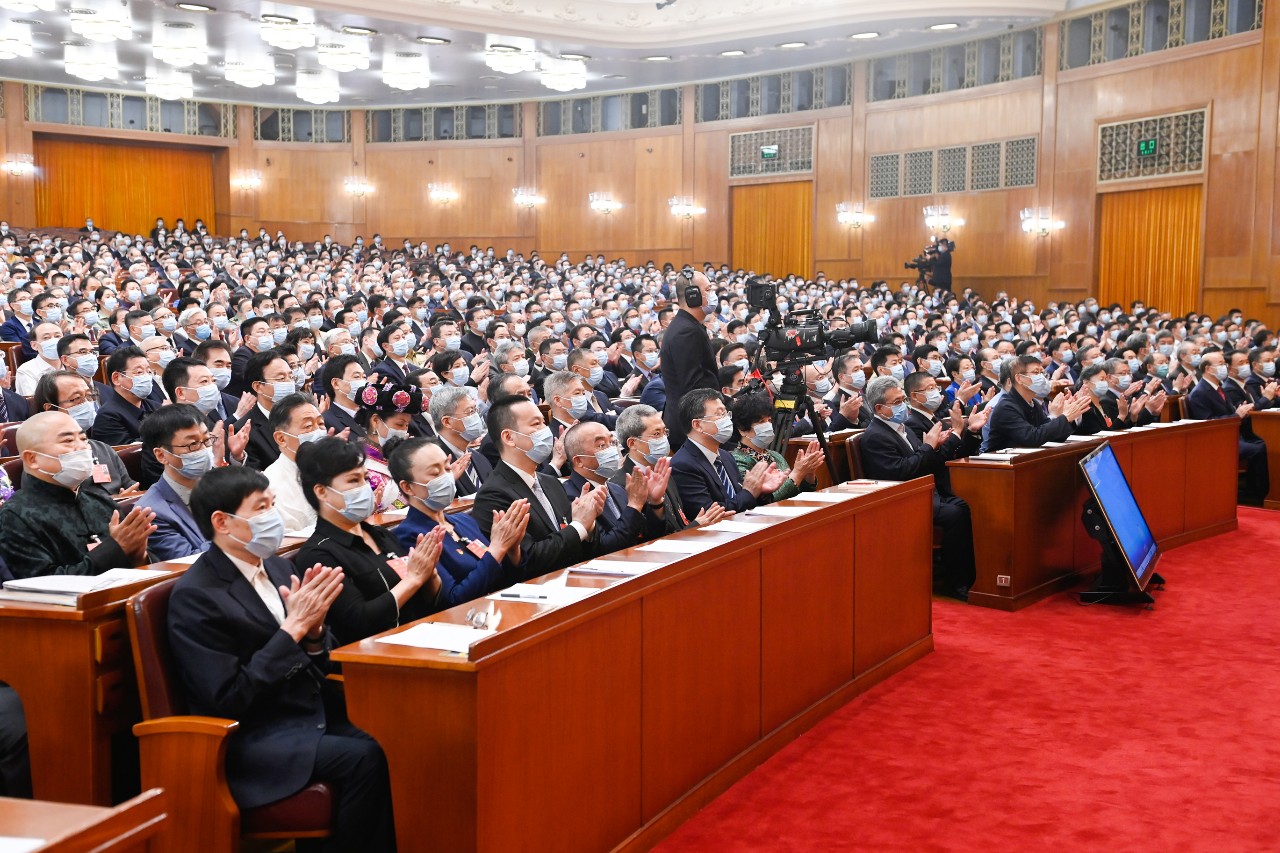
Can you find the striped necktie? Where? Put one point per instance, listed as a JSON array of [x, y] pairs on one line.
[[725, 482]]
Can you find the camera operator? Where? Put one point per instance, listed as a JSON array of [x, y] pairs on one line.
[[941, 277], [687, 358]]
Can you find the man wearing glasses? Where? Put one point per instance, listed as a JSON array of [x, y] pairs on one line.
[[644, 440], [624, 521], [178, 437], [119, 421], [70, 393]]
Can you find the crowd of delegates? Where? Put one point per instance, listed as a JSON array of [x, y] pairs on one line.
[[281, 388]]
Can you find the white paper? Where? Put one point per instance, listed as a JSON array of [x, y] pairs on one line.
[[444, 636], [545, 594], [733, 527], [823, 497], [79, 584], [628, 568], [692, 545], [993, 457], [1077, 438], [1055, 444], [13, 844], [396, 513], [782, 511], [187, 560]]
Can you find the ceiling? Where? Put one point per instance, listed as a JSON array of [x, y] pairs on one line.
[[616, 36]]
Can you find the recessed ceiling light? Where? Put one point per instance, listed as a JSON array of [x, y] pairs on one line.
[[865, 36], [733, 53], [574, 56], [359, 31], [30, 22], [615, 77], [279, 19], [490, 77], [944, 26], [791, 45], [194, 7], [432, 40], [657, 59], [503, 48], [490, 87]]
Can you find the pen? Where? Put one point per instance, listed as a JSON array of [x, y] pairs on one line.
[[519, 596]]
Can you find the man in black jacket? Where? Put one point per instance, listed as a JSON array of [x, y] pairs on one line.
[[687, 359], [249, 642], [1020, 419], [268, 376], [559, 532]]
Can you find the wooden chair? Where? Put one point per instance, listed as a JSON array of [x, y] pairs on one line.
[[851, 454], [9, 439], [13, 468], [12, 352], [131, 456], [186, 755]]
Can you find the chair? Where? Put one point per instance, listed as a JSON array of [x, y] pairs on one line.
[[13, 468], [851, 453], [101, 374], [9, 439], [186, 755], [12, 352], [131, 456]]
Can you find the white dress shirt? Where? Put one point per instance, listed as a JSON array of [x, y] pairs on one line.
[[299, 517], [529, 481], [257, 578]]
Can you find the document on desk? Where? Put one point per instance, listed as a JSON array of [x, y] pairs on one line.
[[734, 527], [782, 511], [626, 568], [187, 560], [551, 595], [993, 457], [689, 545], [444, 636], [1078, 438], [824, 497], [77, 584], [13, 844]]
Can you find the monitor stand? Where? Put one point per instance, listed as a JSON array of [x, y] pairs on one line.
[[1115, 584]]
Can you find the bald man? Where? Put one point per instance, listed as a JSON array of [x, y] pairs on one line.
[[59, 522], [687, 359]]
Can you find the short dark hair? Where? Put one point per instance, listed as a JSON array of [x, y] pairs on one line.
[[914, 380], [202, 351], [224, 490], [693, 406], [334, 368], [442, 362], [398, 463], [46, 392], [159, 426], [724, 376], [119, 360], [500, 417], [282, 411], [177, 374], [881, 355], [750, 408], [320, 461], [256, 366]]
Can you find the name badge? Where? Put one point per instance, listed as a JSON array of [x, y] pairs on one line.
[[400, 566], [477, 550], [101, 474]]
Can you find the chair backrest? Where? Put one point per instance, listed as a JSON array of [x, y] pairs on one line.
[[11, 350], [9, 439], [148, 617], [13, 467], [131, 456], [852, 449]]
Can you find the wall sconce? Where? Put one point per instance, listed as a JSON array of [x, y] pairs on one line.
[[852, 215], [603, 203], [20, 164], [684, 207], [357, 187], [1039, 221], [250, 180], [441, 193], [939, 218], [527, 197]]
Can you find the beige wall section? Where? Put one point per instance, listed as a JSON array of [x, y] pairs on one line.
[[1237, 78]]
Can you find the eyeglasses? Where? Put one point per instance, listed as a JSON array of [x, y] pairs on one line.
[[192, 447], [72, 402]]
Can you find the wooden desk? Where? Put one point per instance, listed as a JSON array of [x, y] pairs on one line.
[[1026, 513], [835, 452], [132, 826], [608, 722], [73, 670], [1266, 426]]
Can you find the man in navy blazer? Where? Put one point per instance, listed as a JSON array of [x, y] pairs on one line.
[[178, 437], [1208, 401], [686, 356], [625, 519], [704, 472], [249, 643]]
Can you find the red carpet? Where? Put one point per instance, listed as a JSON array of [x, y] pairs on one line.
[[1058, 727]]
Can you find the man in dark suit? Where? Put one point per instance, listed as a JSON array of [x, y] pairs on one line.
[[704, 472], [845, 399], [1020, 419], [559, 531], [644, 442], [117, 335], [395, 349], [571, 401], [687, 358], [256, 336], [17, 328], [1261, 384], [249, 643], [626, 519], [270, 379], [891, 451], [343, 380], [119, 420], [458, 423], [1208, 400], [924, 412], [478, 320], [191, 382]]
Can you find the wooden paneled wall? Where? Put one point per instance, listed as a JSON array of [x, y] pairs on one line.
[[1237, 78]]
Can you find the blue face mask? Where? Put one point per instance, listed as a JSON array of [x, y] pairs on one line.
[[658, 448], [608, 462], [401, 348], [458, 376], [597, 373], [724, 428], [49, 349], [1039, 385], [578, 405], [762, 434], [140, 386], [357, 503], [559, 362], [543, 444], [899, 415], [898, 372]]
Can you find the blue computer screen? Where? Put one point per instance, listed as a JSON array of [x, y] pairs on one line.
[[1112, 491]]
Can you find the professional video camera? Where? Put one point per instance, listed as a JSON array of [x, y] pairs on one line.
[[924, 263], [792, 342]]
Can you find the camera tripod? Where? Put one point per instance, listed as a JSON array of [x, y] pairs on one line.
[[792, 401]]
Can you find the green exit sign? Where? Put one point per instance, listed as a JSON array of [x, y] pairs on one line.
[[768, 152], [1148, 147]]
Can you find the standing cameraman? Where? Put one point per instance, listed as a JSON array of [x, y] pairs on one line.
[[686, 357], [941, 277]]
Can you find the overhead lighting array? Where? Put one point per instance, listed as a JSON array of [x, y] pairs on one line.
[[318, 86], [27, 5], [15, 39], [406, 70], [180, 44], [169, 84], [286, 33], [343, 52], [101, 20], [249, 69], [91, 61], [562, 75]]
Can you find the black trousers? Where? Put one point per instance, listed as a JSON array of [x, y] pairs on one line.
[[354, 764], [958, 566], [15, 765], [1256, 482]]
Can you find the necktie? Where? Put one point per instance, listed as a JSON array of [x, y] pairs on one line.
[[4, 410], [610, 506], [725, 482], [542, 499], [1222, 394]]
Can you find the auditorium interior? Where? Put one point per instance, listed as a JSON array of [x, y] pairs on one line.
[[904, 384]]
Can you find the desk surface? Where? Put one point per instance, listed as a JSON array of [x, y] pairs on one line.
[[1266, 426], [63, 826]]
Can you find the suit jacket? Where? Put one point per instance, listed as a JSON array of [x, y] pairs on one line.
[[17, 405], [687, 363], [885, 457], [13, 330], [1236, 397], [1016, 423], [339, 419], [473, 343], [654, 392], [1204, 403], [956, 446], [176, 532], [388, 368], [673, 518], [699, 483], [110, 342], [239, 360], [549, 543], [120, 422], [233, 661], [608, 386], [262, 449], [1254, 385], [835, 400], [611, 534], [483, 467]]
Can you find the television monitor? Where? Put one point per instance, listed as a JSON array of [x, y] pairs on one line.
[[1121, 510]]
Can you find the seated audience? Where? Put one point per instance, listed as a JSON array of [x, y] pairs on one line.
[[119, 418], [386, 412], [459, 432], [753, 420], [294, 421], [1208, 400], [268, 376], [249, 643], [1021, 419], [179, 439], [595, 458], [643, 436], [71, 393], [704, 472]]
